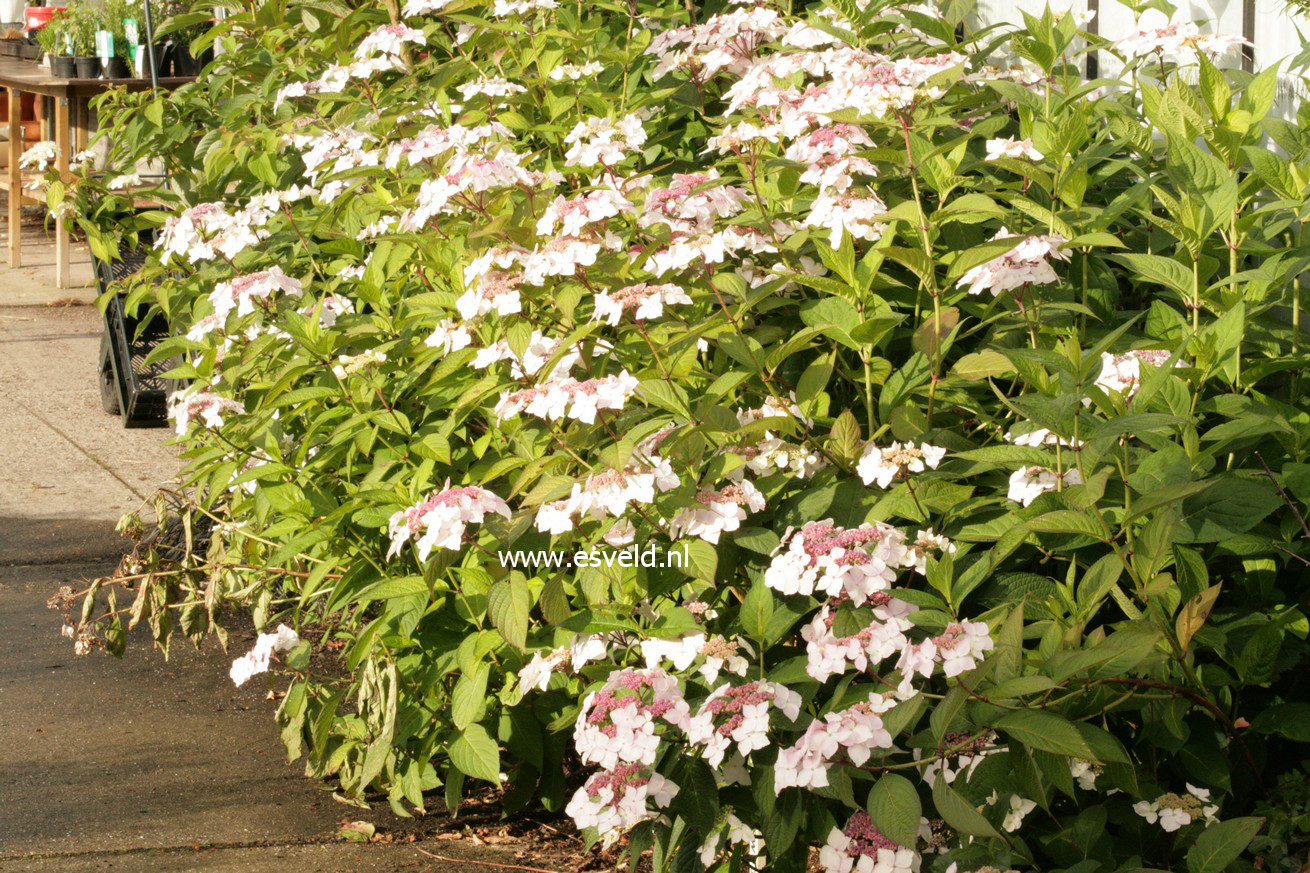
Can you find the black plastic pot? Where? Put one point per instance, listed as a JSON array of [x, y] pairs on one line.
[[87, 68], [184, 64], [62, 66], [116, 68], [162, 60]]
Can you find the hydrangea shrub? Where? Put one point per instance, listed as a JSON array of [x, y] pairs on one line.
[[966, 391]]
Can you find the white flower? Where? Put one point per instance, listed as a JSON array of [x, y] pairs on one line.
[[38, 156], [424, 7], [617, 724], [1182, 41], [562, 396], [491, 87], [1029, 483], [439, 520], [574, 72], [573, 216], [1014, 816], [516, 8], [738, 716], [348, 365], [1026, 264], [388, 41], [830, 655], [835, 561], [1174, 811], [645, 302], [679, 652], [857, 731], [861, 848], [897, 461], [1123, 373], [189, 404], [583, 650], [127, 180], [1012, 148], [449, 336], [240, 293], [925, 543], [257, 659], [603, 141], [961, 646], [1039, 437], [843, 212], [718, 512], [1085, 772], [615, 800]]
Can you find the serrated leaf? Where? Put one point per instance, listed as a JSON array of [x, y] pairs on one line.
[[468, 702], [1047, 731], [701, 559], [757, 610], [1194, 614], [508, 603], [476, 754], [895, 808], [845, 439], [985, 364], [957, 812], [1222, 843]]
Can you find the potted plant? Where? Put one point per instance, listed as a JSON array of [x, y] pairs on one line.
[[53, 39], [115, 17], [85, 20], [183, 29]]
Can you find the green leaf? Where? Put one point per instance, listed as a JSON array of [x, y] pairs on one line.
[[985, 364], [468, 702], [666, 395], [702, 558], [957, 812], [1066, 521], [845, 439], [1160, 270], [813, 381], [508, 603], [1221, 844], [1039, 729], [934, 330], [1290, 720], [698, 793], [895, 809], [757, 610], [1233, 505], [1194, 614], [476, 754]]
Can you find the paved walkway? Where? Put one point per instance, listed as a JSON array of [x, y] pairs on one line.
[[33, 284], [141, 764]]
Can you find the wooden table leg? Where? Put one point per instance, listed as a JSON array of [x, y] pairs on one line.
[[61, 162], [83, 138], [15, 179]]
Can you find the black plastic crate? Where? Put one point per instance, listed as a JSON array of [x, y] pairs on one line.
[[128, 386]]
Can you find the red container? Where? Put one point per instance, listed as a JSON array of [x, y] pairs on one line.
[[37, 17]]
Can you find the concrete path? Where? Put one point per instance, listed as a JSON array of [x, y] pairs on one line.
[[140, 764], [33, 283]]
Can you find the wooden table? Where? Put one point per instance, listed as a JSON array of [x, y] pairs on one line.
[[70, 97]]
